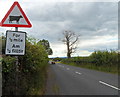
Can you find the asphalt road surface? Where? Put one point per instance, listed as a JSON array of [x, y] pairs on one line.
[[78, 81]]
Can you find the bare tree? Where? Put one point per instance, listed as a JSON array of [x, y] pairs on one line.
[[70, 39]]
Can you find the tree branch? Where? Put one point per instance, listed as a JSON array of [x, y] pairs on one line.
[[74, 41]]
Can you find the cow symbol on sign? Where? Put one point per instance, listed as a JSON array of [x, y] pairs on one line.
[[14, 18]]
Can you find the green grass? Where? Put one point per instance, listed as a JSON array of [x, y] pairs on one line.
[[105, 61], [108, 69]]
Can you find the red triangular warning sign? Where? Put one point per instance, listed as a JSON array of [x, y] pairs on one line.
[[15, 17]]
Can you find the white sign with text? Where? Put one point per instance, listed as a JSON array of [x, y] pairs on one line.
[[15, 43]]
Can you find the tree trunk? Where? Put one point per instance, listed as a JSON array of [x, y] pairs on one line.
[[68, 50], [68, 55]]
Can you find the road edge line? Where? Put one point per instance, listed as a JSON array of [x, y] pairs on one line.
[[109, 85]]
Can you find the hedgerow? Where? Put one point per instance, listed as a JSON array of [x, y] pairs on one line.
[[99, 60], [28, 77]]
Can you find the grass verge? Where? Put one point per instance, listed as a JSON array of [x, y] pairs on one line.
[[108, 69]]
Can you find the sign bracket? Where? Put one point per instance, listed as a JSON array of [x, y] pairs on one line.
[[16, 28]]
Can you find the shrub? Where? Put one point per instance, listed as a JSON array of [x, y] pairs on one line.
[[29, 76], [100, 60]]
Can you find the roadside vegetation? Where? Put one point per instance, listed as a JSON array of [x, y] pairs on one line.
[[28, 77], [106, 61]]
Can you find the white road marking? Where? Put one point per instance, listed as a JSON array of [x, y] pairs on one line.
[[78, 72], [61, 66], [109, 85], [68, 68]]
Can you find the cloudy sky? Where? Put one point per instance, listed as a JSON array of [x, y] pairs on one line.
[[96, 21]]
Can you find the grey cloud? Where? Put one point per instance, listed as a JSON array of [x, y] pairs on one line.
[[110, 45], [87, 19]]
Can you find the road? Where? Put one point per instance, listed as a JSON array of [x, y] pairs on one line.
[[78, 81]]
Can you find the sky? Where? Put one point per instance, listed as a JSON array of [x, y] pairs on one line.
[[96, 21]]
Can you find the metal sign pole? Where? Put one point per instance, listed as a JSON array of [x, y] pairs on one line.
[[16, 70], [15, 44], [16, 28]]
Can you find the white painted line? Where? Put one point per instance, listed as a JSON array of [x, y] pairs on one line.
[[109, 85], [78, 72], [68, 68]]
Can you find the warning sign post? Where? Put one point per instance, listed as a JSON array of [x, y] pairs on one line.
[[15, 17], [15, 43], [15, 40]]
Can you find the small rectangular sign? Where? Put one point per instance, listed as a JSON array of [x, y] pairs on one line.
[[15, 43]]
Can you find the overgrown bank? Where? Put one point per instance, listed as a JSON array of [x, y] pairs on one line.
[[106, 61], [29, 76]]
